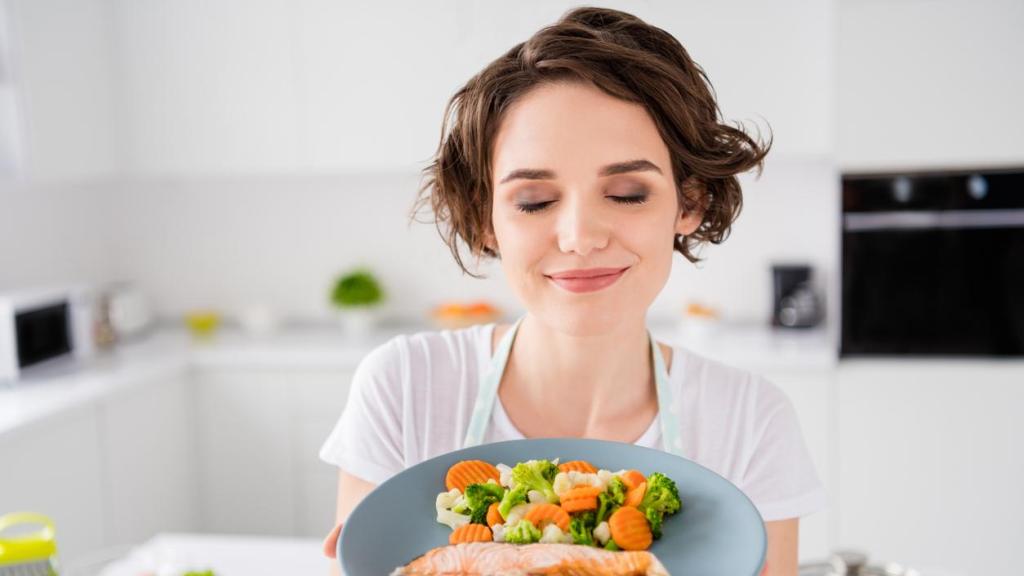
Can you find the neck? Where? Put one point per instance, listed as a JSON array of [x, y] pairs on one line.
[[602, 376]]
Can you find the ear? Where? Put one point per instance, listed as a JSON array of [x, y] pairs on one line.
[[490, 242], [690, 217]]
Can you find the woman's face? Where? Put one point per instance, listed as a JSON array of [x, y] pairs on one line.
[[583, 182]]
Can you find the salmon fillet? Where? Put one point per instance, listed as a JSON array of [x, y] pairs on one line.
[[501, 559]]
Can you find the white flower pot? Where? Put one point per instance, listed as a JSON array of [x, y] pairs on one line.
[[358, 322]]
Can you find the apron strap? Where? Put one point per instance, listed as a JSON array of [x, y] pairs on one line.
[[671, 439], [489, 382], [488, 390]]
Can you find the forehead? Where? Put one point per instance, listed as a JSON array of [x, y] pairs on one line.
[[574, 128]]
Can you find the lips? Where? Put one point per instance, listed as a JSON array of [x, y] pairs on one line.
[[587, 280]]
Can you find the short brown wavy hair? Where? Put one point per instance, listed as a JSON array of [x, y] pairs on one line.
[[626, 58]]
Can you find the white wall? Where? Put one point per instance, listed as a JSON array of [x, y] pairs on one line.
[[53, 233], [280, 240]]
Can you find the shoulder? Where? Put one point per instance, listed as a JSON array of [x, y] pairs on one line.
[[721, 387], [424, 353]]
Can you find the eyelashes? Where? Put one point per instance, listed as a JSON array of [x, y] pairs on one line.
[[531, 208]]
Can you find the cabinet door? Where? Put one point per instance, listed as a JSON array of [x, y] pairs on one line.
[[245, 451], [211, 86], [931, 471], [812, 393], [150, 464], [260, 435], [60, 68], [53, 467], [316, 406]]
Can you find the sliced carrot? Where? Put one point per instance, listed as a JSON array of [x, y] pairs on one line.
[[493, 516], [470, 533], [578, 466], [630, 529], [635, 495], [580, 498], [467, 472], [543, 514], [579, 504], [632, 478], [581, 492]]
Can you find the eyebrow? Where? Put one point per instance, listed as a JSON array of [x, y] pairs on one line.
[[609, 170]]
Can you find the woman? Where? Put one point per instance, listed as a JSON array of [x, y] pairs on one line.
[[582, 159]]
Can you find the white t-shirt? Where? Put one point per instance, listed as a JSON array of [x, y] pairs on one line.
[[411, 399]]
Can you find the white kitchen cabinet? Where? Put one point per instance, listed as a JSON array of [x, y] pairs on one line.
[[261, 430], [228, 86], [931, 469], [151, 481], [929, 84], [209, 87], [61, 73], [54, 467], [812, 393]]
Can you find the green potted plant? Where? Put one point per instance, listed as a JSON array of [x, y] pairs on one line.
[[357, 295]]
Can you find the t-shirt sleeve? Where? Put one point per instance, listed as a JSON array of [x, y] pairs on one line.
[[367, 440], [781, 478]]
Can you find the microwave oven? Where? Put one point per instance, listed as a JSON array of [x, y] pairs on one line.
[[44, 326]]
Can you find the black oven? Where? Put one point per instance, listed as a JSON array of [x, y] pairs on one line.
[[933, 263]]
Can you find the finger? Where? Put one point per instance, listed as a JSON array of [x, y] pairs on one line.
[[331, 542]]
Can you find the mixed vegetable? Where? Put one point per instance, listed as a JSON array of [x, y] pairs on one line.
[[544, 501]]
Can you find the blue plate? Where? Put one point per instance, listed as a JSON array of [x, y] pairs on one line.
[[718, 531]]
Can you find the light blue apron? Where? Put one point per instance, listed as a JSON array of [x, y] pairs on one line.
[[491, 379]]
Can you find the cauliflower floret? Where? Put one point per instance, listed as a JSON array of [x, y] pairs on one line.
[[505, 472], [605, 476], [566, 481], [517, 512], [553, 534], [444, 503], [498, 532], [535, 497], [603, 533]]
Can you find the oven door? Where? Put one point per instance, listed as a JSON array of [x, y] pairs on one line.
[[932, 274]]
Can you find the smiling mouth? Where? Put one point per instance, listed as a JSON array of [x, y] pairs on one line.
[[587, 281]]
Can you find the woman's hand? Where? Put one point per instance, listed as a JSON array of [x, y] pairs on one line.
[[331, 542]]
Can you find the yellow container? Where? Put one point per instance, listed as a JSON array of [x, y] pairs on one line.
[[202, 323], [31, 553]]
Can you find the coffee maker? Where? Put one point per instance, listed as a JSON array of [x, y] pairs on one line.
[[795, 303]]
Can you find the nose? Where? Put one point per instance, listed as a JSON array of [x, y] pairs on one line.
[[582, 228]]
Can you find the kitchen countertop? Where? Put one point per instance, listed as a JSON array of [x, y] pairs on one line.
[[169, 350], [225, 555]]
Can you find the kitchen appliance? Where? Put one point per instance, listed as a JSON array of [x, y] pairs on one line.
[[44, 326], [933, 263], [853, 563], [131, 315], [27, 554], [795, 303]]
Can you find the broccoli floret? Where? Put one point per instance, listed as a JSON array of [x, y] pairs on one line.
[[612, 497], [611, 545], [479, 498], [581, 528], [523, 532], [537, 475], [511, 499], [661, 499]]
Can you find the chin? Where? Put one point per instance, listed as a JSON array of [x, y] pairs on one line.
[[584, 319]]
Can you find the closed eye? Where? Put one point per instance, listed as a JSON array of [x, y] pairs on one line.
[[638, 199], [530, 208], [534, 207]]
